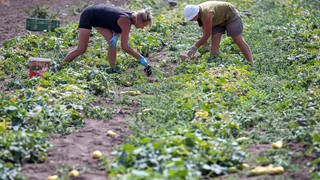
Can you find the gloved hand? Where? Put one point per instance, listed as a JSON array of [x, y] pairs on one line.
[[114, 41], [192, 51], [143, 62], [148, 70]]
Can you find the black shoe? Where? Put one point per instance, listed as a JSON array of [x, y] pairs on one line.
[[112, 70], [148, 70]]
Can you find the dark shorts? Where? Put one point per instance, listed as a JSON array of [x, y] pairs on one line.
[[84, 21], [233, 27]]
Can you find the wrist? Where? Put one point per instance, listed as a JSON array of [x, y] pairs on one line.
[[114, 40], [193, 48], [143, 61]]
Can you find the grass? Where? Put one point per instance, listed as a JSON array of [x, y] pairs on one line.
[[187, 125]]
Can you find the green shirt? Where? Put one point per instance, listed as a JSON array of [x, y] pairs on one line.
[[222, 11]]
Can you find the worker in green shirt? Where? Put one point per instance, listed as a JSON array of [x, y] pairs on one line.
[[216, 18]]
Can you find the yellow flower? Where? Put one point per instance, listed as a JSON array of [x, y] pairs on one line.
[[13, 99], [202, 114], [40, 89], [4, 124]]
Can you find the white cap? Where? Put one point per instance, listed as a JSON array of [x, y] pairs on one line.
[[190, 11]]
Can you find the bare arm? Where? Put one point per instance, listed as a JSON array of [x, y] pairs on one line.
[[206, 28], [125, 26]]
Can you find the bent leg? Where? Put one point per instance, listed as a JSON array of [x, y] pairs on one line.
[[244, 47], [83, 38], [215, 43], [112, 50]]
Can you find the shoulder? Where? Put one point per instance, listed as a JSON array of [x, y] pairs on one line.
[[207, 7], [206, 13], [124, 22]]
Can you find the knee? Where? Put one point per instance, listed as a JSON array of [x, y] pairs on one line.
[[236, 41]]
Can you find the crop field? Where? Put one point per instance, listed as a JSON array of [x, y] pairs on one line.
[[207, 118]]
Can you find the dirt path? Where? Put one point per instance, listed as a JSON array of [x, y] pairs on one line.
[[257, 150], [13, 13], [75, 149]]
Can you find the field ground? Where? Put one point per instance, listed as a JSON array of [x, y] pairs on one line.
[[213, 117], [14, 12]]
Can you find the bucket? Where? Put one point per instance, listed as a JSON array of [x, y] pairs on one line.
[[38, 66]]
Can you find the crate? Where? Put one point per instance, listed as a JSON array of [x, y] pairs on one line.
[[38, 66], [38, 24]]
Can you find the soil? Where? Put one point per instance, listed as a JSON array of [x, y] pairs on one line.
[[257, 149], [300, 148], [156, 60], [13, 13], [75, 149]]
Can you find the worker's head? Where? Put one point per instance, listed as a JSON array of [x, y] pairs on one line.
[[143, 18], [191, 12]]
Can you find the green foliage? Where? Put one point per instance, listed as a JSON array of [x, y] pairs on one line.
[[42, 12], [9, 171], [277, 99], [18, 147], [21, 146], [180, 154], [187, 123], [99, 113]]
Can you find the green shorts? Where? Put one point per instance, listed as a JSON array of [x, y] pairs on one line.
[[233, 27]]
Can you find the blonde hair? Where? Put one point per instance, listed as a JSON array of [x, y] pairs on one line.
[[145, 15]]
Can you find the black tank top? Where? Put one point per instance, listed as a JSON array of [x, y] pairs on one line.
[[104, 16]]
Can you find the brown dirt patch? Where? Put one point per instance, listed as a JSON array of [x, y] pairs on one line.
[[255, 150], [295, 148], [299, 148], [302, 160], [158, 60], [75, 149], [13, 13]]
